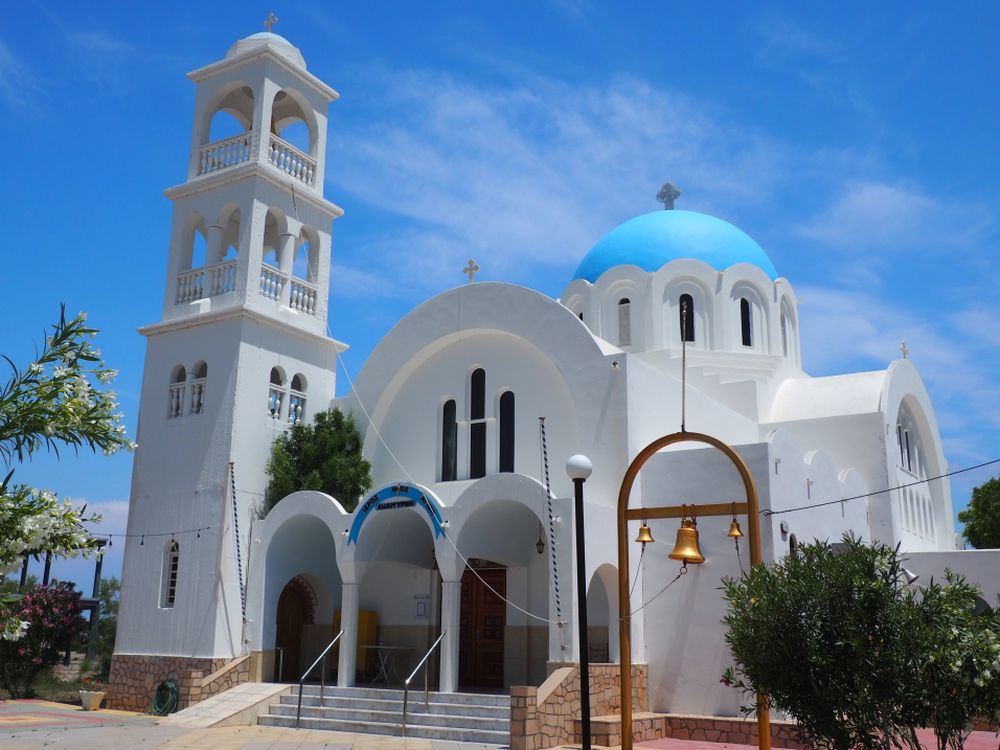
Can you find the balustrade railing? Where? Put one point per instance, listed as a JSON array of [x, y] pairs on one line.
[[302, 297], [221, 278], [296, 407], [197, 396], [272, 282], [175, 400], [290, 160], [275, 398], [225, 153], [190, 285]]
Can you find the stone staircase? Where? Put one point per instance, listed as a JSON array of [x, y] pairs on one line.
[[460, 717]]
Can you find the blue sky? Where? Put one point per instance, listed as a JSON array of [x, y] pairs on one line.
[[855, 142]]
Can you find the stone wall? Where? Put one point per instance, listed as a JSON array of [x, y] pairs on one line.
[[134, 678], [606, 730], [546, 716], [197, 686]]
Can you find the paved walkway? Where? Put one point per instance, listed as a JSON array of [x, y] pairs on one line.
[[33, 725]]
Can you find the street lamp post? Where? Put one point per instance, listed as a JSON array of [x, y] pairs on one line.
[[578, 468]]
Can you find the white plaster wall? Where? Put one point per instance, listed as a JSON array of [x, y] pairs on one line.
[[979, 566], [181, 477]]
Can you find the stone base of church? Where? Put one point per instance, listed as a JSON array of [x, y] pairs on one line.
[[134, 678]]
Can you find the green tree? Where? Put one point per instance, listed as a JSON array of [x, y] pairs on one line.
[[59, 400], [982, 517], [107, 625], [958, 668], [834, 638], [324, 456]]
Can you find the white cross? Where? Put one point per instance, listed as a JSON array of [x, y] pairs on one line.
[[904, 349], [470, 270], [270, 21]]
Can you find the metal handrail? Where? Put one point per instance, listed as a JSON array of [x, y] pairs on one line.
[[322, 679], [406, 682]]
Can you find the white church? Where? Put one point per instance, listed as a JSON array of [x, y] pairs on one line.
[[467, 534]]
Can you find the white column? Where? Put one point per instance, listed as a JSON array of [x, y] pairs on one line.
[[285, 262], [450, 611], [347, 664], [213, 246]]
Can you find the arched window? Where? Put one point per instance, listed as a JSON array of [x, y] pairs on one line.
[[276, 393], [746, 321], [685, 316], [198, 379], [580, 315], [477, 424], [297, 400], [175, 395], [171, 560], [784, 334], [449, 441], [624, 322], [507, 431]]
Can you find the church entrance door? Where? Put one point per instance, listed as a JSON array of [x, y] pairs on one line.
[[483, 619], [294, 611]]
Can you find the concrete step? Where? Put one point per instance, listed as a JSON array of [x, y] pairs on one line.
[[396, 705], [384, 694], [394, 717], [412, 730]]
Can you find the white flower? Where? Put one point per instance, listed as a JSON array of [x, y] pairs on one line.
[[36, 368]]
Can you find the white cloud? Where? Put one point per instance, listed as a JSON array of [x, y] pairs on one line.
[[17, 84], [869, 215], [532, 174]]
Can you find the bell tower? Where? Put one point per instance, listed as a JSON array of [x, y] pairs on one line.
[[241, 352]]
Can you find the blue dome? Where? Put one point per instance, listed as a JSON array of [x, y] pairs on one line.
[[652, 240]]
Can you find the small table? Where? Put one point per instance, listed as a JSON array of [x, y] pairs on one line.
[[386, 665]]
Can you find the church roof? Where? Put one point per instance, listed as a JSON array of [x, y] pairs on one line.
[[276, 42], [652, 240]]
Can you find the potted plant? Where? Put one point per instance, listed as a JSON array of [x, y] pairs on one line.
[[91, 693]]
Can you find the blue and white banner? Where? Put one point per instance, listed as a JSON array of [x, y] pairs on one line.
[[397, 496]]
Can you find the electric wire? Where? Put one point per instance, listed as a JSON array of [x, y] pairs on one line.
[[768, 512]]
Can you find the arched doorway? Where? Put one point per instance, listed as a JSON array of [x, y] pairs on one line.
[[504, 608], [602, 615], [296, 607]]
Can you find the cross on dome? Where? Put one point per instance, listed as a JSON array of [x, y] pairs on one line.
[[270, 21], [470, 270], [667, 195]]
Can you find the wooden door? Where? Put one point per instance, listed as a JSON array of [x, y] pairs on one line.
[[483, 620], [292, 613]]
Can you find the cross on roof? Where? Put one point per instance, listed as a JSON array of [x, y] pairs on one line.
[[904, 349], [667, 195], [270, 21], [470, 270]]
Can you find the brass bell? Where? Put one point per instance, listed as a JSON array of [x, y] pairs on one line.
[[686, 548], [735, 532], [645, 535]]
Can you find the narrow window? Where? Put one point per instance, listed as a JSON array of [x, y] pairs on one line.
[[449, 442], [909, 454], [477, 418], [507, 432], [170, 563], [580, 316], [624, 322], [745, 321], [297, 400], [784, 335], [200, 376], [275, 394], [175, 395], [899, 441], [685, 312]]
